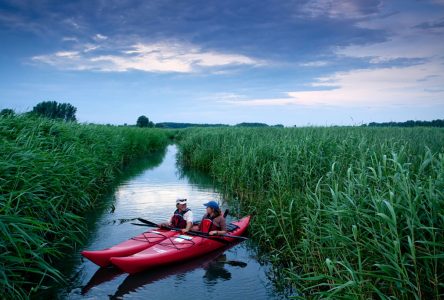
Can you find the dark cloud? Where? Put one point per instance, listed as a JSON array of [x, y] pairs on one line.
[[368, 7], [270, 29], [344, 9], [431, 25]]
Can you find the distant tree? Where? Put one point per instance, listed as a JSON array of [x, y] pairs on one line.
[[7, 112], [143, 121], [174, 125], [54, 110], [245, 124], [409, 123]]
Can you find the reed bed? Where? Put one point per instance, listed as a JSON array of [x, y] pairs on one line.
[[344, 213], [51, 172]]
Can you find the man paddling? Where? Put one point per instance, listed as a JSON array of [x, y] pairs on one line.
[[182, 217]]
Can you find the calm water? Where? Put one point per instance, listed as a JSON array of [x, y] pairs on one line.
[[149, 190]]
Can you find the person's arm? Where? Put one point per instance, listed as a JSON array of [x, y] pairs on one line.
[[189, 218], [188, 228], [166, 224], [222, 225]]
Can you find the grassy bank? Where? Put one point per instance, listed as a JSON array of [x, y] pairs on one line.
[[50, 173], [349, 212]]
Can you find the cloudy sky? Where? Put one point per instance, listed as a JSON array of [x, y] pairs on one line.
[[295, 62]]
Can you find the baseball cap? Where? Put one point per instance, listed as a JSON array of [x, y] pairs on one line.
[[212, 204], [181, 201]]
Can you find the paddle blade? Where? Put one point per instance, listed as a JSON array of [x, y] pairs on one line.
[[148, 222], [138, 224], [235, 237]]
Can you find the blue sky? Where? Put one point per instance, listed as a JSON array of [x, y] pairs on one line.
[[319, 62]]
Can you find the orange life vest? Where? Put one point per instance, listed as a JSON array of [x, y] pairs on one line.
[[208, 225]]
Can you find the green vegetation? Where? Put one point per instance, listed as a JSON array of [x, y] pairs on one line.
[[51, 172], [7, 112], [143, 121], [410, 123], [245, 124], [174, 125], [55, 110], [355, 213]]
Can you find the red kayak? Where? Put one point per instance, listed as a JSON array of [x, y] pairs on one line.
[[129, 247], [179, 248]]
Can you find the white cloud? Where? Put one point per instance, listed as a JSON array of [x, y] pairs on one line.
[[349, 9], [409, 86], [100, 37], [318, 63], [90, 47], [414, 85], [405, 39], [69, 39], [155, 57], [67, 54], [408, 45], [440, 2]]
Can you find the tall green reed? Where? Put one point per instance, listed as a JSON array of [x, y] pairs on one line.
[[51, 172], [350, 212]]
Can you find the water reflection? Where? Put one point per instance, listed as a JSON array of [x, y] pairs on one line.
[[101, 276], [216, 269], [142, 165], [212, 264], [195, 177], [130, 171], [148, 190]]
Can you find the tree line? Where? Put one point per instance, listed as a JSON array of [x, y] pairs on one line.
[[409, 123], [67, 112], [63, 111], [50, 110]]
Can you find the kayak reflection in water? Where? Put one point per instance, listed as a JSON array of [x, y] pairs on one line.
[[213, 264], [216, 269]]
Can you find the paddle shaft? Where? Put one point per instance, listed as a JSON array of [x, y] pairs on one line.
[[191, 232]]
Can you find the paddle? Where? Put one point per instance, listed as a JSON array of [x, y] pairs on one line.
[[149, 222], [140, 224], [235, 263], [191, 232], [157, 225]]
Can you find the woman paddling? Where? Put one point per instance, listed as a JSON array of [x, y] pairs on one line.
[[213, 222]]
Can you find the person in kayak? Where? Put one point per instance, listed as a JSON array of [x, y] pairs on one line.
[[182, 216], [213, 222]]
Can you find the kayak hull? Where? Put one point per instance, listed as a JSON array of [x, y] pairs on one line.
[[179, 248], [129, 247]]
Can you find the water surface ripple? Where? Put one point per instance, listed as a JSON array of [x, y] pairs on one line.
[[149, 190]]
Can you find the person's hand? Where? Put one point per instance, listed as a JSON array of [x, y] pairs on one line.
[[214, 232], [185, 230]]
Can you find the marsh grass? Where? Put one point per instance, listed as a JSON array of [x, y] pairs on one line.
[[51, 172], [351, 213]]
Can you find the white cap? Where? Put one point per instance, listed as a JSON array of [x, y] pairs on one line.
[[181, 201]]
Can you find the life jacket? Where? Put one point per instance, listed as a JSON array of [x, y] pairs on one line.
[[208, 225], [177, 220]]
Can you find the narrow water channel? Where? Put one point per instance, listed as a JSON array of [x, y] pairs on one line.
[[149, 191]]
